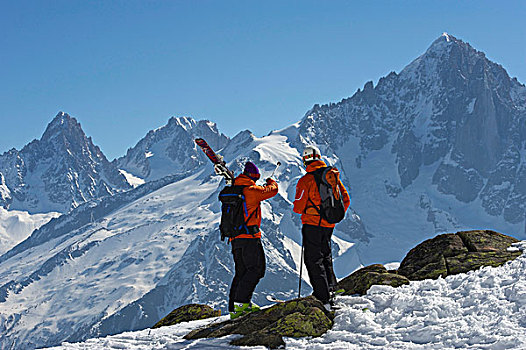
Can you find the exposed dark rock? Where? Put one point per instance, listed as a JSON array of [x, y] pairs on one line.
[[188, 313], [473, 260], [444, 255], [450, 254], [360, 281], [296, 318], [485, 240], [427, 259]]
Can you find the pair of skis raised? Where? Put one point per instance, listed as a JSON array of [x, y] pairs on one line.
[[220, 167]]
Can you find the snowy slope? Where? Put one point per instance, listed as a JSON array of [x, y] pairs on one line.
[[166, 150], [16, 226], [73, 279], [483, 309]]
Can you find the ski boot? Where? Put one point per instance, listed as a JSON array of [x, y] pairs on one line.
[[241, 309]]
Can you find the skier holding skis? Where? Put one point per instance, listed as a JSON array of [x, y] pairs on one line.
[[317, 230], [249, 257]]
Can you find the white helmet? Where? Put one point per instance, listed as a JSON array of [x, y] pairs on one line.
[[310, 153]]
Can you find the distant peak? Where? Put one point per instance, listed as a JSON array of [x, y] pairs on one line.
[[61, 117], [62, 123], [186, 123], [443, 41]]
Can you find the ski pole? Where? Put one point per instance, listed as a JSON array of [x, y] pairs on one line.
[[301, 269], [276, 168]]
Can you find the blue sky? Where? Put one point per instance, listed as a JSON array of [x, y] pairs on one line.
[[125, 67]]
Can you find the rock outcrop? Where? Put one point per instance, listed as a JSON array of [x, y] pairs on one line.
[[444, 255], [361, 280], [188, 313], [301, 317], [449, 254]]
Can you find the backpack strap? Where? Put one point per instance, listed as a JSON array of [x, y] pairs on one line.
[[252, 229], [317, 178]]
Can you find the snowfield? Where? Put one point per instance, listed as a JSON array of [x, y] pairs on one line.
[[15, 226], [483, 309]]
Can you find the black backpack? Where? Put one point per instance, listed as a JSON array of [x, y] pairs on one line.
[[233, 212], [332, 208]]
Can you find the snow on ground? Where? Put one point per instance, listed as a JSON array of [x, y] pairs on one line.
[[15, 226], [483, 309]]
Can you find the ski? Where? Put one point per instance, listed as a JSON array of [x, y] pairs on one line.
[[220, 167], [274, 299]]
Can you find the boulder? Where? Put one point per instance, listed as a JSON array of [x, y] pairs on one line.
[[300, 317], [426, 260], [449, 254], [361, 280], [187, 313], [471, 261], [486, 240]]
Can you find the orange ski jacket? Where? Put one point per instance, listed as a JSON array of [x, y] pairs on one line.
[[254, 194], [308, 189]]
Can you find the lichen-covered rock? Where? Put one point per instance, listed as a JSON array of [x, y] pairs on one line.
[[361, 280], [474, 260], [426, 260], [449, 254], [485, 240], [296, 318], [187, 313]]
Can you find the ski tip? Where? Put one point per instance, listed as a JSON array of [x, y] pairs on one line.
[[274, 300]]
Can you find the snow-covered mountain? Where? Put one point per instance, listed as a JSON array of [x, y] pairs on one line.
[[58, 172], [424, 151], [168, 150]]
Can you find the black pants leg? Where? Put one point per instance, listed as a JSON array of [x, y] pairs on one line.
[[318, 260], [250, 265]]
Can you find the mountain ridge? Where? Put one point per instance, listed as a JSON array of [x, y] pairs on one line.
[[58, 172]]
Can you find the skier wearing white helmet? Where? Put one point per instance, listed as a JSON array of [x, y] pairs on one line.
[[322, 201]]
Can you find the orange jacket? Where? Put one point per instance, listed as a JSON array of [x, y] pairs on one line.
[[307, 189], [254, 194]]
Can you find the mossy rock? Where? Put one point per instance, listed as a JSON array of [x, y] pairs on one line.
[[426, 260], [486, 240], [474, 260], [450, 254], [361, 280], [298, 317], [187, 313], [311, 323]]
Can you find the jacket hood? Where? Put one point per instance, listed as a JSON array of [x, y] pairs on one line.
[[315, 165], [244, 180]]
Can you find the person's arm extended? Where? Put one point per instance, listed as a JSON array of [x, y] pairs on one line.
[[260, 193]]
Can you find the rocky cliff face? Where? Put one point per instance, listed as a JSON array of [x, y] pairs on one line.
[[58, 172], [451, 109]]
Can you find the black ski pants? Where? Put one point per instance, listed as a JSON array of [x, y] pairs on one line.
[[318, 260], [250, 265]]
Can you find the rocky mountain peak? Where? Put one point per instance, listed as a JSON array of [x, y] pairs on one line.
[[60, 171], [187, 123], [62, 124], [170, 149]]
